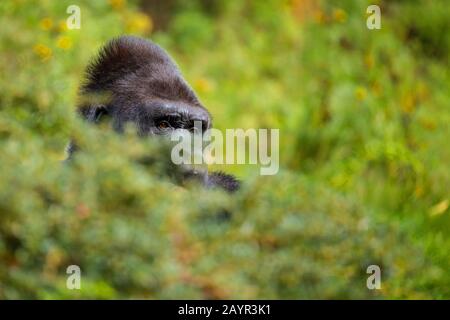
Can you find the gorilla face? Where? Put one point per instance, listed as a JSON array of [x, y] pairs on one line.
[[134, 80]]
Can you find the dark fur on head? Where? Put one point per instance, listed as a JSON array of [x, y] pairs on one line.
[[134, 80]]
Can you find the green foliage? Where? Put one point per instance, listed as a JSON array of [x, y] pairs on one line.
[[363, 118]]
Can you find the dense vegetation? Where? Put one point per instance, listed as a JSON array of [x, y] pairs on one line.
[[364, 179]]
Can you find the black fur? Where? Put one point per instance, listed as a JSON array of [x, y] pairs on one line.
[[226, 181], [134, 80]]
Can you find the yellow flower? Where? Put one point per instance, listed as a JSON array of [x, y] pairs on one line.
[[203, 85], [117, 4], [320, 17], [140, 23], [418, 191], [360, 93], [62, 26], [42, 51], [369, 60], [64, 43], [339, 15], [408, 103], [46, 24]]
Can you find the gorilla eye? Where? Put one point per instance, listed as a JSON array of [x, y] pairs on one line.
[[163, 125]]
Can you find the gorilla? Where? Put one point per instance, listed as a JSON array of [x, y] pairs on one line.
[[144, 86]]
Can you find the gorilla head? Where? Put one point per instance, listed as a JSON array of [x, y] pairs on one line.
[[143, 85]]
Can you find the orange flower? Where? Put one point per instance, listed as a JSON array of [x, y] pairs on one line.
[[339, 15], [302, 9], [428, 124], [117, 4]]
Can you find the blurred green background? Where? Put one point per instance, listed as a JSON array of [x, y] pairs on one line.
[[364, 175]]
